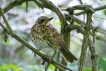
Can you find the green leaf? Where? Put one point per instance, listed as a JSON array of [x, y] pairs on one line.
[[102, 63], [100, 70], [104, 11], [51, 66], [58, 22], [11, 67], [87, 69]]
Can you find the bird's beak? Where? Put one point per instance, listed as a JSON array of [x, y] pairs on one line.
[[50, 19]]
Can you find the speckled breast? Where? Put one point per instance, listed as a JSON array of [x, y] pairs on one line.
[[38, 39]]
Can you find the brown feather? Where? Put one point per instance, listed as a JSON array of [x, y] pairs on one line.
[[64, 50]]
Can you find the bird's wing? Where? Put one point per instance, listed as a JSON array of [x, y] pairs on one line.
[[63, 47], [57, 37], [53, 38]]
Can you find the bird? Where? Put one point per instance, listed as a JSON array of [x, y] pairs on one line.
[[47, 39]]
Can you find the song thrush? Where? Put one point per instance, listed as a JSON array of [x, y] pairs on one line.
[[47, 39]]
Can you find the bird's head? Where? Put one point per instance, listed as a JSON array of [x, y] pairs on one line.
[[43, 20]]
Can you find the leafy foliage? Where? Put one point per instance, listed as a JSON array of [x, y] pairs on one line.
[[102, 63]]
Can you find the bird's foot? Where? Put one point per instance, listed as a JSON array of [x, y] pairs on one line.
[[43, 62]]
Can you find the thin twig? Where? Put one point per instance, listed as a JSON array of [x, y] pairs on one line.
[[7, 24], [58, 57], [95, 9]]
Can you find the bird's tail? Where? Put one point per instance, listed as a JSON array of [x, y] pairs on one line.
[[68, 56]]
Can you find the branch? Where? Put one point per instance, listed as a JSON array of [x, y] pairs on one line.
[[2, 14], [95, 9], [94, 56], [82, 25], [89, 11], [87, 41], [13, 4]]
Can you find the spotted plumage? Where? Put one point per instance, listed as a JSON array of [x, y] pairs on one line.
[[48, 40]]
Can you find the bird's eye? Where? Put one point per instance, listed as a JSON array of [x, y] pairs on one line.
[[41, 20]]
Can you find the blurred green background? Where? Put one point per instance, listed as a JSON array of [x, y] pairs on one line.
[[16, 57]]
